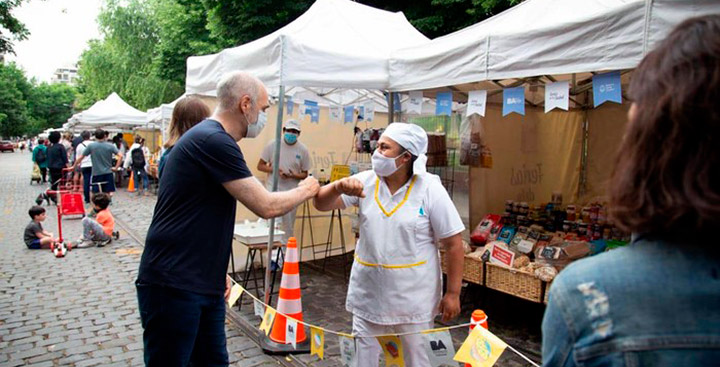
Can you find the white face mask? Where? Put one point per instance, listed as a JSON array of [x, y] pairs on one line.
[[254, 130], [384, 166]]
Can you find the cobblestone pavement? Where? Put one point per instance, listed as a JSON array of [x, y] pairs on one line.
[[81, 310]]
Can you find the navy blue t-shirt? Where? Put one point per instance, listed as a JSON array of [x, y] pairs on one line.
[[189, 241]]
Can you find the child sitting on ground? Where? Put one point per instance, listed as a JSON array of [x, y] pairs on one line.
[[35, 236], [98, 232]]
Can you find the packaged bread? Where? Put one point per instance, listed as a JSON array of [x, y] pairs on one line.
[[521, 261], [546, 273], [477, 254]]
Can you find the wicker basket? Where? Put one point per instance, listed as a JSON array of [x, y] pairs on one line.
[[514, 282], [473, 269], [547, 292]]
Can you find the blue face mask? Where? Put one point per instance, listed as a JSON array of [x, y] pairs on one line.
[[290, 138]]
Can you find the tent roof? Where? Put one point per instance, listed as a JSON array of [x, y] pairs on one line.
[[544, 37], [336, 43], [162, 112], [112, 111]]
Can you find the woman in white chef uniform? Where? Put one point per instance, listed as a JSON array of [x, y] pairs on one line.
[[395, 283]]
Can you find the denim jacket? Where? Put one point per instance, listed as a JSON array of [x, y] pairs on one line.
[[651, 303]]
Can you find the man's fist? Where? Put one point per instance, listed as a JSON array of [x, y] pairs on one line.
[[350, 186], [311, 185]]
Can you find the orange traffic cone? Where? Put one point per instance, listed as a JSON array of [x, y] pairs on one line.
[[131, 184], [478, 317], [289, 302]]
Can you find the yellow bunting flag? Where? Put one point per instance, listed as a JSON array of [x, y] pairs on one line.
[[393, 349], [317, 342], [481, 348], [267, 320], [235, 293]]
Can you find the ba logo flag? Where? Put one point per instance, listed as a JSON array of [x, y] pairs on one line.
[[267, 320], [481, 348], [443, 104], [439, 348], [393, 349], [347, 350], [514, 100], [317, 342]]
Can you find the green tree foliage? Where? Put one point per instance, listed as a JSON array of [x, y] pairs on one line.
[[143, 53], [50, 106], [14, 90], [12, 25], [123, 61], [238, 22], [27, 107], [183, 32], [436, 18]]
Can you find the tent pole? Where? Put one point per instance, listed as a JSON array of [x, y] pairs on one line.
[[391, 107], [399, 112], [582, 189], [275, 168]]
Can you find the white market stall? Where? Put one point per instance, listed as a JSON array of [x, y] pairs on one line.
[[335, 44], [111, 113], [544, 37], [532, 45], [538, 42], [159, 117]]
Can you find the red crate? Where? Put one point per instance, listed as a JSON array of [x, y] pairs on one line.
[[71, 204]]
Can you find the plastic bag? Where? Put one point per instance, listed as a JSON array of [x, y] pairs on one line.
[[480, 235]]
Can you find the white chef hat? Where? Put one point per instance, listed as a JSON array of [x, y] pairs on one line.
[[413, 138]]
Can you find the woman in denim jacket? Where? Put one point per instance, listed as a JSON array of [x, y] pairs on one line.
[[655, 302]]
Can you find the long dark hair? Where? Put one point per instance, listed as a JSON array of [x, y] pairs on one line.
[[666, 176]]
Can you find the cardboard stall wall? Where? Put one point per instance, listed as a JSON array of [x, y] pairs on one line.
[[539, 153], [605, 132], [533, 155]]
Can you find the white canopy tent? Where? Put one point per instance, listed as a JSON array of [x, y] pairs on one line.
[[112, 112], [159, 117], [544, 37], [335, 44]]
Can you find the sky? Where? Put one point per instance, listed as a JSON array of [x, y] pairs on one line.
[[59, 31]]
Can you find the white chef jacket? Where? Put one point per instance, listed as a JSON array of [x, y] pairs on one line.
[[396, 276]]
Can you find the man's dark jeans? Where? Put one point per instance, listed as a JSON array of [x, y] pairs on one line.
[[182, 327], [87, 175]]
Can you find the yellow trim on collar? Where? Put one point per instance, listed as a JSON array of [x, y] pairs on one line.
[[407, 195]]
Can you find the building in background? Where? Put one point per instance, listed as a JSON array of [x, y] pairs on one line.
[[65, 75]]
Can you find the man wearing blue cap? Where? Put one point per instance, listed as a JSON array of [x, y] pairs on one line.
[[294, 167]]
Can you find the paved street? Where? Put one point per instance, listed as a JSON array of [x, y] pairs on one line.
[[81, 310]]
